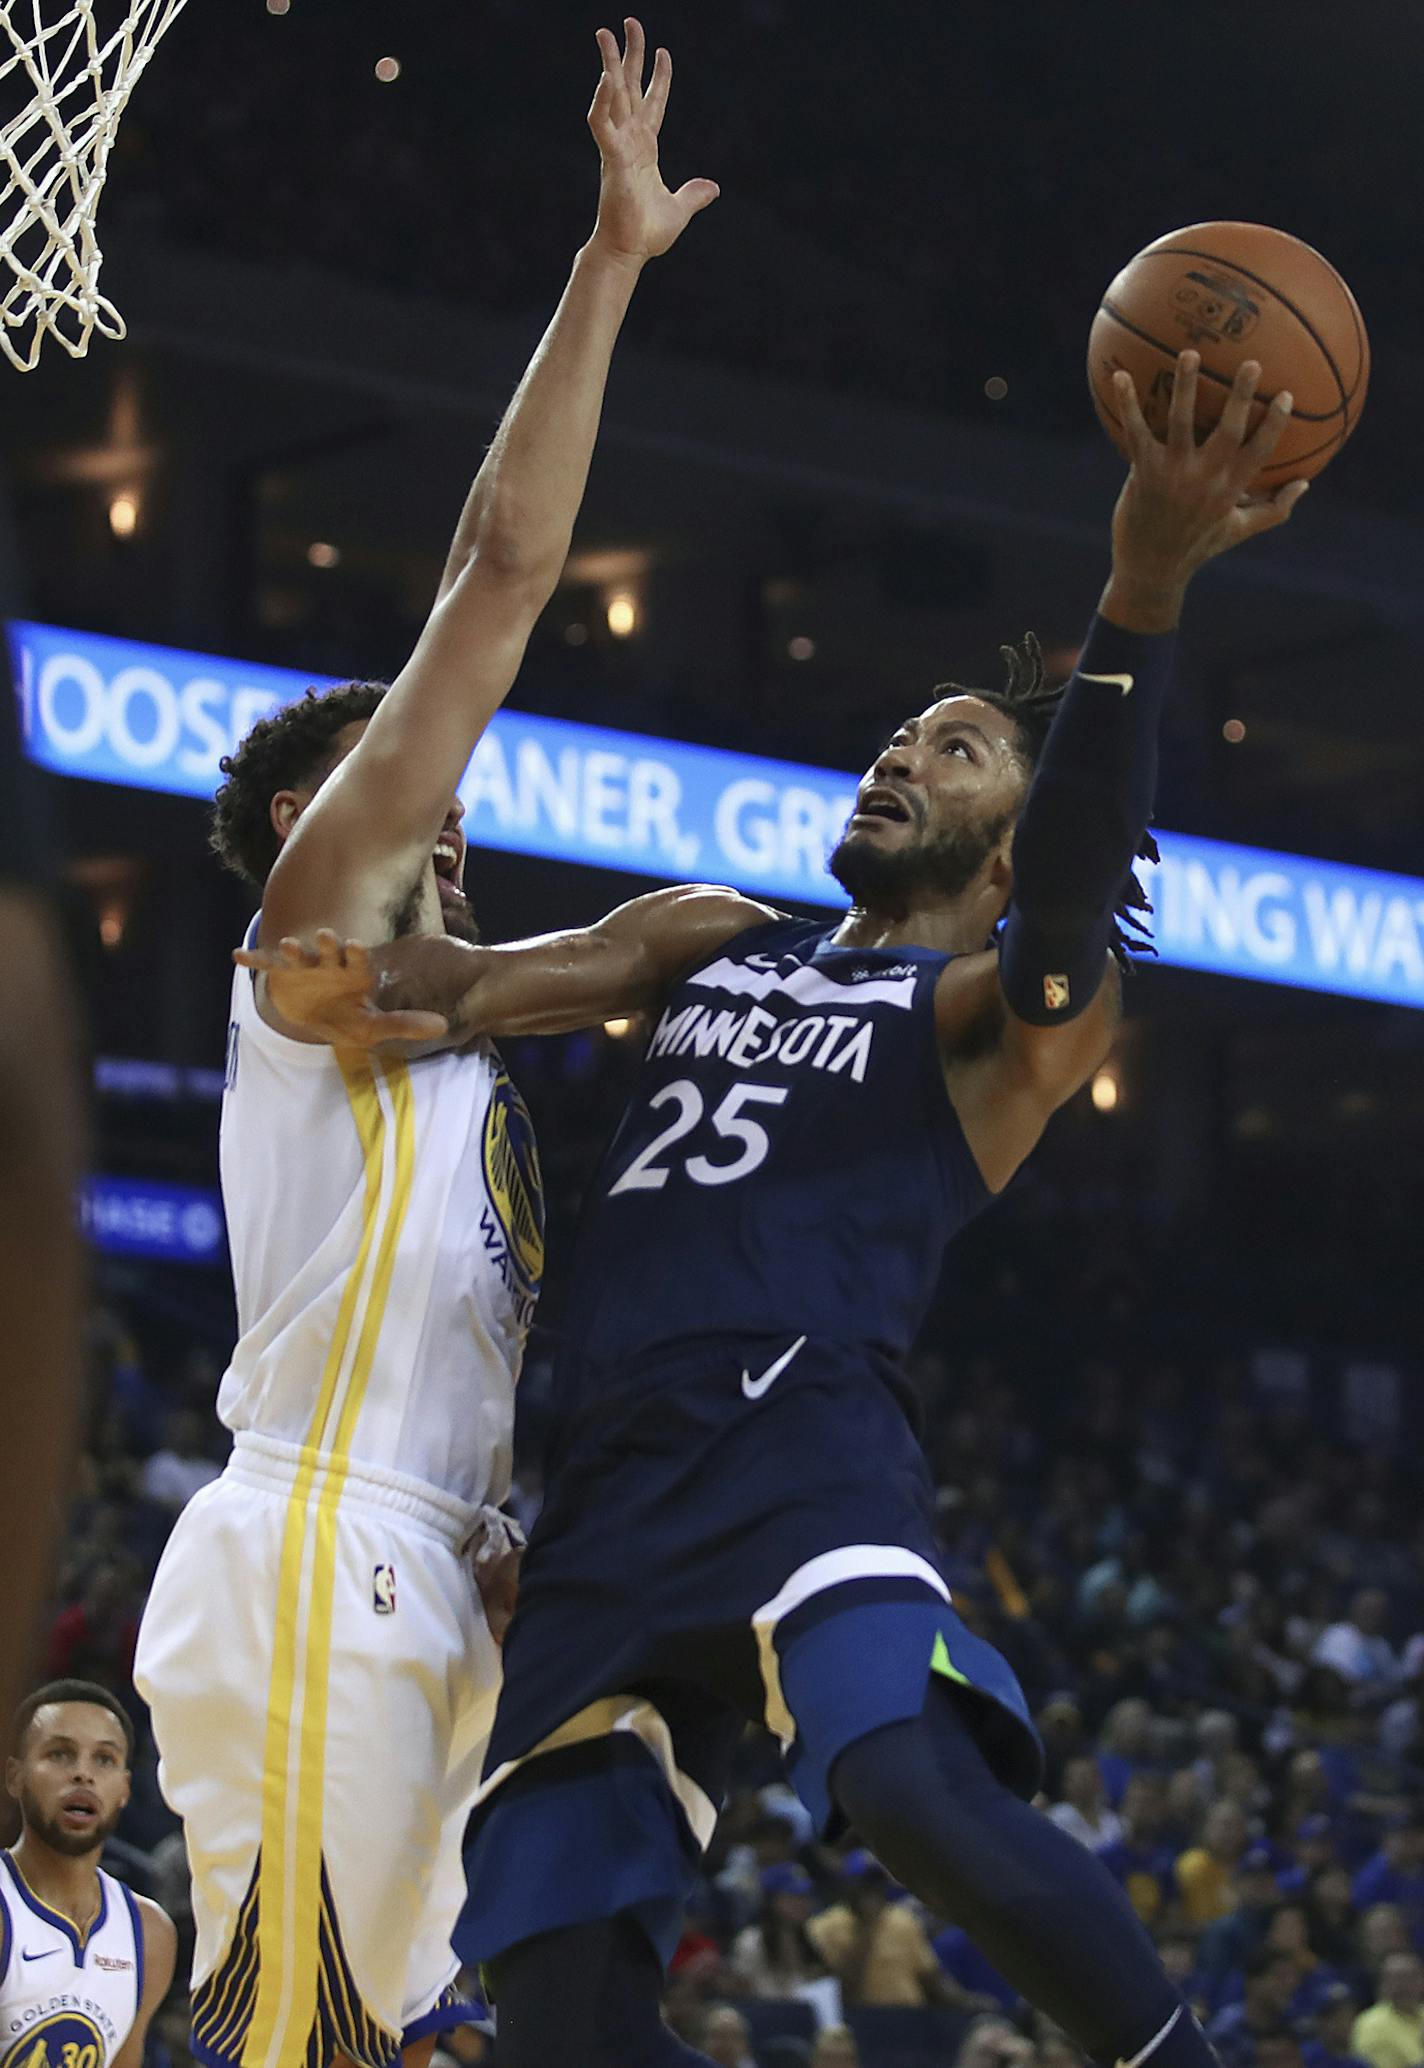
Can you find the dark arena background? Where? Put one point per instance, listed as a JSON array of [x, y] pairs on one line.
[[1171, 1380]]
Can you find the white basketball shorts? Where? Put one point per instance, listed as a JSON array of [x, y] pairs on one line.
[[322, 1682]]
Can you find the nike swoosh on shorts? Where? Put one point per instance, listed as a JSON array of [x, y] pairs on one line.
[[754, 1388], [1124, 682]]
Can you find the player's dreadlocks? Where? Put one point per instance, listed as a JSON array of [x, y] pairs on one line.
[[288, 751], [1032, 703]]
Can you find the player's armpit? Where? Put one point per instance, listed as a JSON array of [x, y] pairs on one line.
[[1006, 1078], [359, 846], [562, 981]]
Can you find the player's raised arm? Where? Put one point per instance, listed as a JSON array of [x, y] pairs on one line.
[[1086, 813], [432, 988], [378, 817]]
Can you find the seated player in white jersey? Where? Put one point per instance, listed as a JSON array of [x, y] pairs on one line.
[[320, 1672], [84, 1963]]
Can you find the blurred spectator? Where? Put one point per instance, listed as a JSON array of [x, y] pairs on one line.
[[876, 1948], [1278, 2047], [1401, 1729], [1333, 2044], [1312, 1847], [698, 1956], [1390, 2034], [1060, 1726], [1126, 1580], [835, 2048], [726, 2037], [1357, 1647], [992, 2042], [1229, 1943], [1206, 1873], [1218, 1736], [94, 1638], [757, 1842], [1186, 1806], [1269, 1984], [1140, 1857], [1124, 1747], [1052, 2048], [174, 1474], [1382, 1933], [776, 1956], [1334, 1926], [1289, 1933], [1307, 1783], [1395, 1873], [1178, 1955], [1083, 1812]]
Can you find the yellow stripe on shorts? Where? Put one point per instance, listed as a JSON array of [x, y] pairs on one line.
[[289, 1900]]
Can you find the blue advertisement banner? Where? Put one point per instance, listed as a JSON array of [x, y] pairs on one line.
[[116, 711], [143, 1217]]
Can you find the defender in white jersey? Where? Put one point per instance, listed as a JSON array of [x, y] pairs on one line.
[[84, 1963], [320, 1669]]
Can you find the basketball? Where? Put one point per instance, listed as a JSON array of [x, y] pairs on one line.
[[1236, 291]]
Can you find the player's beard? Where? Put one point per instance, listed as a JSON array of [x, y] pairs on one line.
[[461, 924], [459, 921], [891, 880], [71, 1845]]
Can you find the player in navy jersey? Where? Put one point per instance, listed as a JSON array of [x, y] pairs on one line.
[[739, 1522]]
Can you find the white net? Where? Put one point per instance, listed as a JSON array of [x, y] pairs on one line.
[[67, 78]]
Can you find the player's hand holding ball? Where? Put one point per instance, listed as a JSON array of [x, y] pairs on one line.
[[1229, 363], [638, 218], [1184, 503]]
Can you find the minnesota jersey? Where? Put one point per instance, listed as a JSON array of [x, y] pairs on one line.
[[66, 2001], [385, 1220], [790, 1162]]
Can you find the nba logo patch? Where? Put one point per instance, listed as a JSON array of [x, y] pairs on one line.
[[383, 1590], [1055, 993]]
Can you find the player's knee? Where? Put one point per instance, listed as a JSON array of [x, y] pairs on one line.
[[924, 1799]]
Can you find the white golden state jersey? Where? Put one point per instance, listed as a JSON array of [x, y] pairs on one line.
[[66, 2001], [386, 1225]]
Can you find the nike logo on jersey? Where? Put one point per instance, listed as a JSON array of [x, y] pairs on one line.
[[39, 1956], [754, 1388], [1123, 682]]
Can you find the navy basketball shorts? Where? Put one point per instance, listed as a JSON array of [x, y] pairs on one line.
[[742, 1536]]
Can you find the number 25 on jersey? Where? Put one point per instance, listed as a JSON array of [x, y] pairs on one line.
[[650, 1169]]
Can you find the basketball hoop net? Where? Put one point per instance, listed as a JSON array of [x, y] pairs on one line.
[[54, 154]]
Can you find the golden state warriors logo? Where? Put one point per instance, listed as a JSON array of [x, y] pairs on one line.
[[515, 1232], [65, 2039]]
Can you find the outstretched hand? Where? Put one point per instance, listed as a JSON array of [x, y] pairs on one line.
[[638, 218], [330, 991], [1184, 503]]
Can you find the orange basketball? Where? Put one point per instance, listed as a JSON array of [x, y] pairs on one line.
[[1237, 291]]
